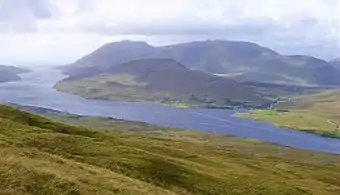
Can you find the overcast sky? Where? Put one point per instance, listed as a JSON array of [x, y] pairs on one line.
[[60, 31]]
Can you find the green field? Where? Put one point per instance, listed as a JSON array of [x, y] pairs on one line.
[[39, 156], [317, 113], [297, 120]]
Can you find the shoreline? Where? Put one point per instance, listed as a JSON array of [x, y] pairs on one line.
[[175, 104], [321, 133]]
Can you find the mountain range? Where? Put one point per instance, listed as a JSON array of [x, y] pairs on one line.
[[240, 61], [205, 73]]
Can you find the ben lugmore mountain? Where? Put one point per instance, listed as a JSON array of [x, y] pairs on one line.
[[108, 156], [162, 81], [240, 61], [11, 73], [207, 73]]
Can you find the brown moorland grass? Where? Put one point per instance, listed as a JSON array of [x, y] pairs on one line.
[[41, 156]]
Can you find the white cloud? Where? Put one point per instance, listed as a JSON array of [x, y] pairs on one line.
[[34, 29]]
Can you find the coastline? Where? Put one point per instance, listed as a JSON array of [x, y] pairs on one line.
[[272, 119]]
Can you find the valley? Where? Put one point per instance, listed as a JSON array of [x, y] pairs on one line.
[[36, 89], [130, 97], [66, 144]]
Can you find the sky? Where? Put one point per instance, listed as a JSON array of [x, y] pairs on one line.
[[54, 32]]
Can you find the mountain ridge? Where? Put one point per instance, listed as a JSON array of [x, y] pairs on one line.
[[214, 57]]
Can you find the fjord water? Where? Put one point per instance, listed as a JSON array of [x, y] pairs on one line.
[[36, 89]]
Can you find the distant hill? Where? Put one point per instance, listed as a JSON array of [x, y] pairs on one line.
[[336, 63], [163, 81], [241, 61], [10, 73]]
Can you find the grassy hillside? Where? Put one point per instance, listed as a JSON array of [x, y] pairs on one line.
[[162, 81], [318, 113], [39, 156], [241, 61]]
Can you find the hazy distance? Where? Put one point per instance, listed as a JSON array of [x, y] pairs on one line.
[[60, 31]]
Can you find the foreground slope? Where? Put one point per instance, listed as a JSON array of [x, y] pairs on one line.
[[39, 156], [241, 61], [162, 81]]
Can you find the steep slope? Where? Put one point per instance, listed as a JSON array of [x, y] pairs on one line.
[[219, 56], [10, 73], [40, 156], [164, 81], [109, 55], [293, 70], [243, 61]]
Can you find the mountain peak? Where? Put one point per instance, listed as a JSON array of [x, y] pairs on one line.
[[127, 44]]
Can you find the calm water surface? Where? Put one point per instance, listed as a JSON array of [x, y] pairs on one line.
[[36, 89]]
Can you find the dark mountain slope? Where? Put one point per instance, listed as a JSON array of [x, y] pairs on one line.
[[238, 60], [109, 55], [169, 75], [336, 63], [162, 80], [229, 56], [293, 70]]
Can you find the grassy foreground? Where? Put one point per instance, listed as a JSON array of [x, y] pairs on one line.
[[40, 156], [317, 113]]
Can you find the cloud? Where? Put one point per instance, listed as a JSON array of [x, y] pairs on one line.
[[187, 16], [40, 8], [22, 15], [47, 49], [305, 26]]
